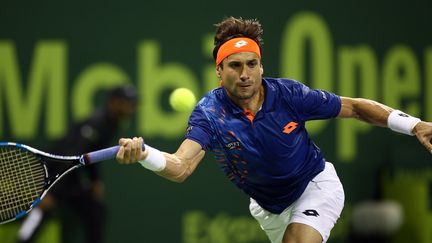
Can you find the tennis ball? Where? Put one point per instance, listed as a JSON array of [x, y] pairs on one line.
[[182, 100]]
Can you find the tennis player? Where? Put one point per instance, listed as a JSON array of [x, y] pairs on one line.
[[255, 127]]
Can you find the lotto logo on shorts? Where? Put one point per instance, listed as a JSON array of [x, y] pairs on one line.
[[311, 212], [240, 43]]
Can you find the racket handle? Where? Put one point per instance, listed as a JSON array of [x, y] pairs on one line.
[[103, 154]]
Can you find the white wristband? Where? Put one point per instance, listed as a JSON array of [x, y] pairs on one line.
[[155, 160], [401, 122]]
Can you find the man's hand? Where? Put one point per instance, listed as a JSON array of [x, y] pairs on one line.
[[131, 150], [423, 131]]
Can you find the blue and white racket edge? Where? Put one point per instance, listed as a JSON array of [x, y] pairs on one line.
[[25, 178]]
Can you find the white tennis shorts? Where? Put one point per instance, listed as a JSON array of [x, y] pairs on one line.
[[319, 206]]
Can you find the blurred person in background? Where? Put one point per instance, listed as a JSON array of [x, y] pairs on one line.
[[255, 126], [82, 190]]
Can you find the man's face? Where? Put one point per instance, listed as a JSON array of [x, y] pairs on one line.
[[241, 75], [121, 108]]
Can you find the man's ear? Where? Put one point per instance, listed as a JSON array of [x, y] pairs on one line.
[[261, 69], [218, 71]]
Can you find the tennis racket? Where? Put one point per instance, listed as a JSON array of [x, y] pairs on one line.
[[26, 175]]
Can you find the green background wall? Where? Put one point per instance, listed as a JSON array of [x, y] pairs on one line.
[[57, 58]]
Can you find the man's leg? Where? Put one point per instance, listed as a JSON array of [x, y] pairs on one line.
[[315, 213], [33, 222], [311, 217], [92, 213], [301, 233]]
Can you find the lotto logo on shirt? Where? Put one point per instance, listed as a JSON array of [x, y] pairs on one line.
[[289, 127]]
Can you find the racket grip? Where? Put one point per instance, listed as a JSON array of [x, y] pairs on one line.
[[103, 154]]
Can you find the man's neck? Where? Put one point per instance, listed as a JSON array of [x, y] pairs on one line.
[[254, 103]]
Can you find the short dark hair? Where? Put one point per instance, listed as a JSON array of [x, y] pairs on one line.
[[232, 27], [126, 92]]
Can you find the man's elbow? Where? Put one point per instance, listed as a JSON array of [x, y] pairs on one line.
[[180, 178]]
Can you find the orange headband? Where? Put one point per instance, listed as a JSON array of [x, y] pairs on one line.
[[241, 44]]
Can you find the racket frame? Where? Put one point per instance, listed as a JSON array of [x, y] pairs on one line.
[[78, 161]]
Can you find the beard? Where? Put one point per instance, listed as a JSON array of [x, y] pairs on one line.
[[242, 93]]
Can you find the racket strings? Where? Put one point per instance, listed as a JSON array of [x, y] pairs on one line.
[[21, 181]]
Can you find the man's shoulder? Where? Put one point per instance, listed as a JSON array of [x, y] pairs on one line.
[[213, 97], [281, 81], [283, 85]]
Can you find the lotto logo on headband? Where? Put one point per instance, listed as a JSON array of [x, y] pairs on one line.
[[241, 44]]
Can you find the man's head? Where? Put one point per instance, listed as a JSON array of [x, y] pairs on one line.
[[122, 102], [237, 54], [231, 27]]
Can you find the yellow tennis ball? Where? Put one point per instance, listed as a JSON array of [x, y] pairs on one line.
[[182, 100]]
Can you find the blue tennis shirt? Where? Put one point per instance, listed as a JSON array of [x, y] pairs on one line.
[[272, 158]]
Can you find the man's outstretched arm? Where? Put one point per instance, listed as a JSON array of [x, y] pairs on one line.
[[379, 114], [175, 167]]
